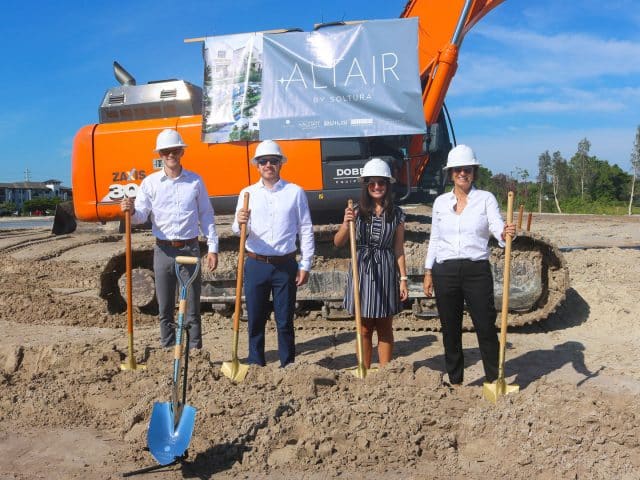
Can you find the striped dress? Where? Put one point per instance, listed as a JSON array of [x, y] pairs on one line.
[[377, 267]]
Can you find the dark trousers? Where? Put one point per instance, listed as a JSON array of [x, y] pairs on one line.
[[166, 282], [456, 282], [261, 280]]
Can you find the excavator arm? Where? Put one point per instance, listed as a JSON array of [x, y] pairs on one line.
[[442, 25]]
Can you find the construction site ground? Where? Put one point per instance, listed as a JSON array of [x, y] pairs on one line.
[[68, 411]]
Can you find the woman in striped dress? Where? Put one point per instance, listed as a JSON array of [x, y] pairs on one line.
[[379, 226]]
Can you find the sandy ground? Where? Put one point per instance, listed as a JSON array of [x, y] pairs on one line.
[[67, 411]]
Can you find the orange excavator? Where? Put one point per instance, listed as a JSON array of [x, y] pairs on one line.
[[132, 115]]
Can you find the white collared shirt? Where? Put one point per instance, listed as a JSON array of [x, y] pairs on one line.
[[278, 215], [466, 235], [178, 207]]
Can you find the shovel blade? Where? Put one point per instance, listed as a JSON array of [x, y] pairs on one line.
[[492, 391], [234, 370], [361, 371], [132, 365], [165, 442]]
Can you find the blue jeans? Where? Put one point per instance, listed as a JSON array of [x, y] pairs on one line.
[[260, 281]]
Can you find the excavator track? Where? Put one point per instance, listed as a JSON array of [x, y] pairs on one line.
[[539, 279], [539, 276]]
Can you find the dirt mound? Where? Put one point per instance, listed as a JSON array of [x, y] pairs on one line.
[[307, 418], [68, 411]]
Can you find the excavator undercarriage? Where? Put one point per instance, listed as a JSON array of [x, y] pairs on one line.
[[539, 279]]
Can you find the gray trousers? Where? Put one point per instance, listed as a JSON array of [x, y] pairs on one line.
[[166, 283]]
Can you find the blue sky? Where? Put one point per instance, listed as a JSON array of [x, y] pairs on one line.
[[532, 76]]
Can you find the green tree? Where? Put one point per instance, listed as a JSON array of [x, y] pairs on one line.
[[582, 165], [41, 204], [7, 208], [609, 183], [544, 168], [501, 185], [522, 187], [484, 180], [559, 177]]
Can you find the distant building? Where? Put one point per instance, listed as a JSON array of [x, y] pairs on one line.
[[20, 192]]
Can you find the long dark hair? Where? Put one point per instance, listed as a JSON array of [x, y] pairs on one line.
[[367, 205]]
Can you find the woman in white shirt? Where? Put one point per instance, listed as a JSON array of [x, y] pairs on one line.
[[457, 264]]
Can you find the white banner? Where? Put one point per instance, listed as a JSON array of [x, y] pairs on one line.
[[339, 81]]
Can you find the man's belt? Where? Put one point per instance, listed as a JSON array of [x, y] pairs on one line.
[[273, 258], [177, 243]]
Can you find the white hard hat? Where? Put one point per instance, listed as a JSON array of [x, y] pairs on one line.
[[268, 148], [169, 138], [461, 156], [376, 167]]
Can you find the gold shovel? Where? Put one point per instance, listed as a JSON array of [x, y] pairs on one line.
[[492, 391], [131, 363], [234, 369], [360, 371]]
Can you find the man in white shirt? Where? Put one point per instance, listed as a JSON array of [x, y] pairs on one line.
[[178, 205], [278, 213]]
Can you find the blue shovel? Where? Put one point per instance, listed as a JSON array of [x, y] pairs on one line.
[[171, 424]]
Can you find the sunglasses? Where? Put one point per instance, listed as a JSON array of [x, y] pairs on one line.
[[462, 169], [262, 161], [380, 183], [169, 151]]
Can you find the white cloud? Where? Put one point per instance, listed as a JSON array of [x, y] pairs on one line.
[[568, 100], [528, 59], [546, 106]]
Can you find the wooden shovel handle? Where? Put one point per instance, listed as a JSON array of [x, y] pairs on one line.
[[506, 278], [354, 272], [240, 271], [186, 260], [128, 261]]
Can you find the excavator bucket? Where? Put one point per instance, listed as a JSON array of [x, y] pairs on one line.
[[64, 220]]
